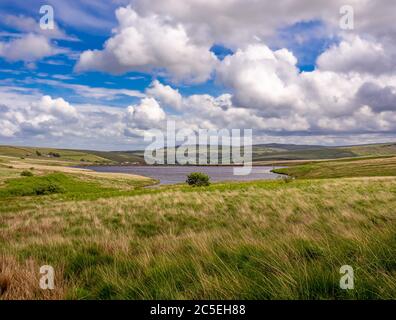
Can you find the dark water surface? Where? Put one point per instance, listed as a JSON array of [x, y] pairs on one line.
[[178, 174]]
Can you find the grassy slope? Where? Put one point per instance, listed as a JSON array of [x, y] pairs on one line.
[[261, 153], [290, 152], [268, 239], [367, 167], [120, 156], [65, 155], [374, 149], [284, 152], [330, 153]]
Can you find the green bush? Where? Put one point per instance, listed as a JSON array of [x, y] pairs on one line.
[[198, 179], [54, 154], [26, 174], [33, 186], [54, 183], [47, 188]]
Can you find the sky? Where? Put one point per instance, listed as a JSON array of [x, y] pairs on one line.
[[304, 72]]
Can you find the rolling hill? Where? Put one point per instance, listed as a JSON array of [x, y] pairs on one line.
[[261, 153]]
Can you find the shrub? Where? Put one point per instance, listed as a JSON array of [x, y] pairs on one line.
[[287, 179], [38, 153], [34, 188], [198, 179], [54, 154], [26, 174], [47, 188]]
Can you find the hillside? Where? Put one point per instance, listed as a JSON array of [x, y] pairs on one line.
[[287, 152], [268, 152], [48, 153], [359, 167], [107, 237], [261, 153], [373, 149]]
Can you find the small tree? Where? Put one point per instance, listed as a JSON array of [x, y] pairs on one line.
[[38, 153], [198, 179], [26, 173]]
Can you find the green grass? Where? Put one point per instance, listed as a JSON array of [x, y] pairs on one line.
[[251, 240], [73, 156], [261, 153], [65, 155], [374, 149], [313, 154], [38, 191], [110, 238], [121, 157], [292, 152], [366, 167], [45, 185]]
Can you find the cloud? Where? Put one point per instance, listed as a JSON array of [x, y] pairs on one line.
[[152, 44], [165, 94], [57, 108], [268, 84], [378, 98], [36, 119], [355, 54], [44, 120], [43, 116], [29, 48], [351, 93], [261, 78], [26, 24], [88, 91], [30, 43], [236, 23], [91, 16], [145, 115]]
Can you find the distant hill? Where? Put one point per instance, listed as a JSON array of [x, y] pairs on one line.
[[315, 152], [382, 149], [288, 147], [261, 152], [58, 154], [120, 156]]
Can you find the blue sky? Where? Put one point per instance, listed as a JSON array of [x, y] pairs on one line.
[[261, 65], [94, 36]]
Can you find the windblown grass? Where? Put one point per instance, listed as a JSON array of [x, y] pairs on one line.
[[253, 240], [367, 167], [43, 153]]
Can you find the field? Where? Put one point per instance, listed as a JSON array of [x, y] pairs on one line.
[[359, 167], [108, 237], [49, 153], [261, 154]]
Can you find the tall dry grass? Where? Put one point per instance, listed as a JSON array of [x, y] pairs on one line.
[[258, 240]]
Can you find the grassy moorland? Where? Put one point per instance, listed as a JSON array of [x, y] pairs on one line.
[[353, 167], [50, 153], [261, 154], [109, 238]]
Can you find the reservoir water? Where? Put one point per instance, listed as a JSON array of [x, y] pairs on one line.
[[178, 174]]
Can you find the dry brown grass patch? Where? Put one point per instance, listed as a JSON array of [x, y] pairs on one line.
[[20, 281]]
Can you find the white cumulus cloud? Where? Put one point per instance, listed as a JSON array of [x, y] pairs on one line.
[[28, 48], [165, 94], [150, 43]]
